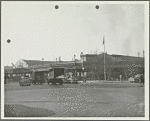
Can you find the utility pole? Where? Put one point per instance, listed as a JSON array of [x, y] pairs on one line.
[[97, 65], [75, 65], [42, 60], [104, 58], [83, 65], [59, 58]]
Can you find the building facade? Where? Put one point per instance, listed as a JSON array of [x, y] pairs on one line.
[[90, 66], [8, 71], [115, 65]]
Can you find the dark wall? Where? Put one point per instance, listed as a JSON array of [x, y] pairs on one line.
[[58, 72]]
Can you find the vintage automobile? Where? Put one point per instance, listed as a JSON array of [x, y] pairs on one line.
[[70, 79], [131, 79], [135, 79], [25, 81]]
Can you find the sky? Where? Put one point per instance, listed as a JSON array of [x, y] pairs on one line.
[[37, 30]]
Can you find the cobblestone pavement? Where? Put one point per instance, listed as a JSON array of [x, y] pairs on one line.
[[97, 99]]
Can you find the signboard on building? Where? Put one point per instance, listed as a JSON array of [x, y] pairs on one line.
[[8, 69]]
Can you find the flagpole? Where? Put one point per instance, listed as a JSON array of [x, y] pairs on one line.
[[104, 59]]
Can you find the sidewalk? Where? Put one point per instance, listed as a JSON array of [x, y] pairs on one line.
[[107, 81], [88, 81]]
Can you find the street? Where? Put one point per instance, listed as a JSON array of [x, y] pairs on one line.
[[91, 99]]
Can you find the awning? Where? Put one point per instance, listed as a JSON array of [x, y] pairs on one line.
[[21, 71], [42, 70]]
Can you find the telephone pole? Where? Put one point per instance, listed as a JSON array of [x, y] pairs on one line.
[[104, 58]]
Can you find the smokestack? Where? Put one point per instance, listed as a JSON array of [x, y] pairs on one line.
[[143, 53], [59, 58], [138, 54], [74, 57]]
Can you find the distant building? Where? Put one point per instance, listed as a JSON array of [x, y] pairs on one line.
[[31, 63], [35, 63], [115, 65], [91, 64], [8, 69]]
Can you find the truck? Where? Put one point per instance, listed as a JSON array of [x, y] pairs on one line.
[[56, 75], [38, 76], [70, 78]]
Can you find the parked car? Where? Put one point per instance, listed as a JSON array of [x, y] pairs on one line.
[[131, 79], [24, 82], [70, 80], [24, 77], [137, 78], [61, 77]]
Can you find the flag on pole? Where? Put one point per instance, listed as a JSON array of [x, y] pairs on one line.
[[103, 41]]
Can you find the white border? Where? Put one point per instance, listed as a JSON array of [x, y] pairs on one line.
[[146, 3], [2, 74], [147, 60]]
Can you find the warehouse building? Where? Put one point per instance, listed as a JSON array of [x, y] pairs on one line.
[[115, 65], [90, 66]]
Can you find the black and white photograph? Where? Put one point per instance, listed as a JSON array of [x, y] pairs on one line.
[[75, 60]]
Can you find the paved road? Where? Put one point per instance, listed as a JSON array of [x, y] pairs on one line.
[[93, 99]]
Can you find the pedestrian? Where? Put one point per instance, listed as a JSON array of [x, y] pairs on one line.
[[142, 79], [120, 77]]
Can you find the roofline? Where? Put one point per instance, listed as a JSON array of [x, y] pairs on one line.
[[126, 56], [51, 61]]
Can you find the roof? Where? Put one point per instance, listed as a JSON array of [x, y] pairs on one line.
[[89, 55], [77, 60], [113, 58], [38, 62], [42, 70], [114, 55]]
